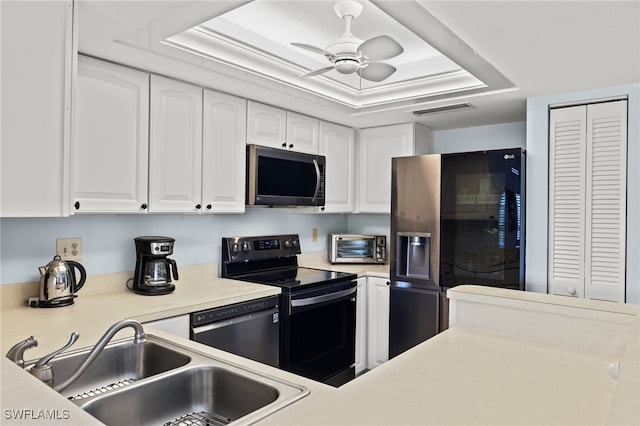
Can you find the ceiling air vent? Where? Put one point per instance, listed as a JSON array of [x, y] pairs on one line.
[[443, 108]]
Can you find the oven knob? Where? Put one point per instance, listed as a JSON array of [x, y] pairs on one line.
[[287, 243], [294, 243], [235, 248], [245, 247]]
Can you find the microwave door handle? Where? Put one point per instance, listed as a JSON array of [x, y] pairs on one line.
[[315, 164]]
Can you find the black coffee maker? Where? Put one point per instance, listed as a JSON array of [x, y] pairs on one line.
[[153, 268]]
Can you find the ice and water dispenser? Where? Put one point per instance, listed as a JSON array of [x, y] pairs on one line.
[[413, 255]]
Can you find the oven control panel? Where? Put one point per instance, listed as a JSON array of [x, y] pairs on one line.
[[242, 249]]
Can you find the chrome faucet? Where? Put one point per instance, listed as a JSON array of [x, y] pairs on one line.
[[97, 349], [16, 353], [43, 370]]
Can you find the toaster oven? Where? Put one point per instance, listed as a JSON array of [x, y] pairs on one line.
[[357, 248]]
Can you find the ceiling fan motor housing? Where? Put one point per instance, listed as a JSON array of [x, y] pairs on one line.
[[346, 65]]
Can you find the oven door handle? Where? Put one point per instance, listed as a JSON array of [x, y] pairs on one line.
[[324, 298]]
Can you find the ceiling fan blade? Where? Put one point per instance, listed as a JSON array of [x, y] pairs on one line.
[[317, 72], [376, 71], [313, 49], [379, 48]]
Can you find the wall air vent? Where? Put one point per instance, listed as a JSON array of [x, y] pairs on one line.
[[443, 108]]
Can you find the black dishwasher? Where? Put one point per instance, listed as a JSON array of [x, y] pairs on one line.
[[249, 329]]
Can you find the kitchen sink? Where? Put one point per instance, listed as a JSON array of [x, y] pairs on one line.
[[161, 382], [119, 363], [218, 393]]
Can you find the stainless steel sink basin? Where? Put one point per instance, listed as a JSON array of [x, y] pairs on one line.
[[219, 393], [119, 363], [161, 382]]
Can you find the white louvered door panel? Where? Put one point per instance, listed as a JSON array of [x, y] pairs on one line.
[[606, 201], [567, 137]]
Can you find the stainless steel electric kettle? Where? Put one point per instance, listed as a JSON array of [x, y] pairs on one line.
[[58, 282]]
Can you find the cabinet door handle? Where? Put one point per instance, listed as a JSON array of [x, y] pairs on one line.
[[209, 206], [290, 145], [143, 206], [77, 205], [284, 144], [198, 206]]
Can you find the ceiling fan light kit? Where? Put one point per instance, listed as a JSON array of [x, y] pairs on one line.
[[348, 54]]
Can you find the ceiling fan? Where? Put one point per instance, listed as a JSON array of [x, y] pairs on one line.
[[348, 54]]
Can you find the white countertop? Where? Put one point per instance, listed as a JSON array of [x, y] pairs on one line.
[[465, 375]]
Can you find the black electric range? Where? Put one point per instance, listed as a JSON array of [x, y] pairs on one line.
[[317, 306]]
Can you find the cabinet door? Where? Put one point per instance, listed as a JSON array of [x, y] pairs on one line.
[[266, 125], [111, 143], [361, 326], [377, 146], [175, 160], [587, 200], [36, 92], [302, 133], [224, 153], [337, 145], [377, 321]]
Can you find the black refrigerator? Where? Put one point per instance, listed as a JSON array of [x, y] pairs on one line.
[[455, 219]]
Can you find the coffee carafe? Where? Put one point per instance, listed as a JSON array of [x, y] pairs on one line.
[[154, 269]]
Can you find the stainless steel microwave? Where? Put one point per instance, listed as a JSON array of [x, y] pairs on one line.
[[277, 177], [357, 248]]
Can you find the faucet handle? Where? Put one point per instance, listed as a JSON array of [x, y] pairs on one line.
[[43, 370], [45, 359]]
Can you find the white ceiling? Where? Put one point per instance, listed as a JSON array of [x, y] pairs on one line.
[[512, 50]]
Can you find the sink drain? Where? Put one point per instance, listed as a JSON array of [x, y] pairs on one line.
[[102, 390], [200, 419]]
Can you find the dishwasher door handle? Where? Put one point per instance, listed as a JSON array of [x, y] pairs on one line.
[[324, 298]]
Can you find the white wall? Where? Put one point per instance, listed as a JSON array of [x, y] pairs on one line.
[[108, 239], [537, 183], [498, 136]]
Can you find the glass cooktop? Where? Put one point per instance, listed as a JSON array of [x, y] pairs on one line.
[[294, 278]]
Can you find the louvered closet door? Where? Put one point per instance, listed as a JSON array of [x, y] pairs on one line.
[[567, 176], [606, 201], [587, 200]]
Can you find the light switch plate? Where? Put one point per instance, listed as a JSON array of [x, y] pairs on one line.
[[69, 248]]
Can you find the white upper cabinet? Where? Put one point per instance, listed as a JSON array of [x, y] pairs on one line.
[[110, 145], [266, 125], [224, 153], [377, 146], [587, 200], [175, 153], [302, 133], [276, 128], [37, 53], [337, 144]]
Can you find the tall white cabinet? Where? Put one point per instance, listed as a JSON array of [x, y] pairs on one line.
[[175, 149], [377, 146], [587, 200], [337, 144], [110, 147], [378, 293], [37, 55], [223, 153]]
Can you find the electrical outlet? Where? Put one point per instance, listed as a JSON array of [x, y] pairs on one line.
[[314, 235], [69, 248]]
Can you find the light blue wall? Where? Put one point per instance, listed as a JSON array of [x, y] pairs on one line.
[[537, 183], [108, 239]]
